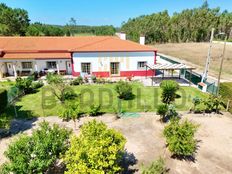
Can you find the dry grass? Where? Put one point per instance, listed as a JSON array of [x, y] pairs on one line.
[[196, 53]]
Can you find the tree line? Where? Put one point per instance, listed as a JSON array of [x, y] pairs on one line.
[[16, 22], [190, 25]]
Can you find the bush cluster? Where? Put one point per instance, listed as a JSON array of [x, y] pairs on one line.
[[211, 104], [124, 90], [169, 89], [37, 153], [180, 138], [27, 86], [97, 149], [156, 167]]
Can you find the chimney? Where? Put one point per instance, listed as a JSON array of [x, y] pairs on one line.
[[142, 40], [123, 36]]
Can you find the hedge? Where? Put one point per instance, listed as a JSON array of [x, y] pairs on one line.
[[226, 93], [3, 100]]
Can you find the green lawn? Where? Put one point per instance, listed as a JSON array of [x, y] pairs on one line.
[[43, 103], [6, 85]]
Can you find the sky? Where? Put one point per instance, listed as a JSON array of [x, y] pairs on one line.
[[103, 12]]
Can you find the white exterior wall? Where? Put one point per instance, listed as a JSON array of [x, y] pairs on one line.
[[100, 62], [41, 64]]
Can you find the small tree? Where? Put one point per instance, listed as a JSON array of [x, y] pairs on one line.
[[180, 138], [97, 149], [156, 167], [37, 153], [70, 111], [169, 89], [124, 90], [59, 88]]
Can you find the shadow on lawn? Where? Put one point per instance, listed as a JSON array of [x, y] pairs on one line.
[[21, 121]]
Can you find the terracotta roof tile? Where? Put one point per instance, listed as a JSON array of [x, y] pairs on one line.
[[34, 47]]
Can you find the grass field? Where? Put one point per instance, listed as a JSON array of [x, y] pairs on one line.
[[6, 85], [43, 103], [196, 53]]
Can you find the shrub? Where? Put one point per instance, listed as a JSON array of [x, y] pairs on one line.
[[61, 90], [172, 113], [25, 85], [162, 111], [37, 85], [94, 79], [37, 153], [213, 103], [156, 167], [54, 78], [70, 111], [180, 138], [4, 121], [3, 100], [94, 110], [97, 149], [169, 89], [77, 81], [124, 90], [196, 101]]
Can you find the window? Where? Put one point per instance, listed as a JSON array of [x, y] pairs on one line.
[[27, 65], [114, 68], [142, 65], [51, 65], [86, 68]]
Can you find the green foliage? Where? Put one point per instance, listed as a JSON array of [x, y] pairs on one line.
[[70, 111], [169, 89], [38, 29], [36, 153], [97, 149], [226, 93], [36, 85], [196, 101], [94, 79], [5, 121], [156, 167], [54, 78], [25, 85], [162, 111], [3, 100], [95, 110], [190, 25], [124, 90], [213, 103], [77, 81], [180, 138], [13, 21], [59, 88]]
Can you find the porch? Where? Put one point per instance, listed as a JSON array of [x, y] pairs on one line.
[[14, 68]]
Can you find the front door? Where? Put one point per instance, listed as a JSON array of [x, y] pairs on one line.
[[68, 67], [10, 69], [114, 68]]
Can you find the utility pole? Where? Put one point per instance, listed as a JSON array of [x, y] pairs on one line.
[[205, 74], [221, 64]]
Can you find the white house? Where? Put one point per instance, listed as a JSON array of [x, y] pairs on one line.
[[102, 56]]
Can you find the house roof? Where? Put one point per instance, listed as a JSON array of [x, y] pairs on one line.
[[62, 47]]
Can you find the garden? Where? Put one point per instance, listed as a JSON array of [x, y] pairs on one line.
[[80, 128]]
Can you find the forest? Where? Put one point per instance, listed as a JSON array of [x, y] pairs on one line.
[[16, 22], [190, 25]]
